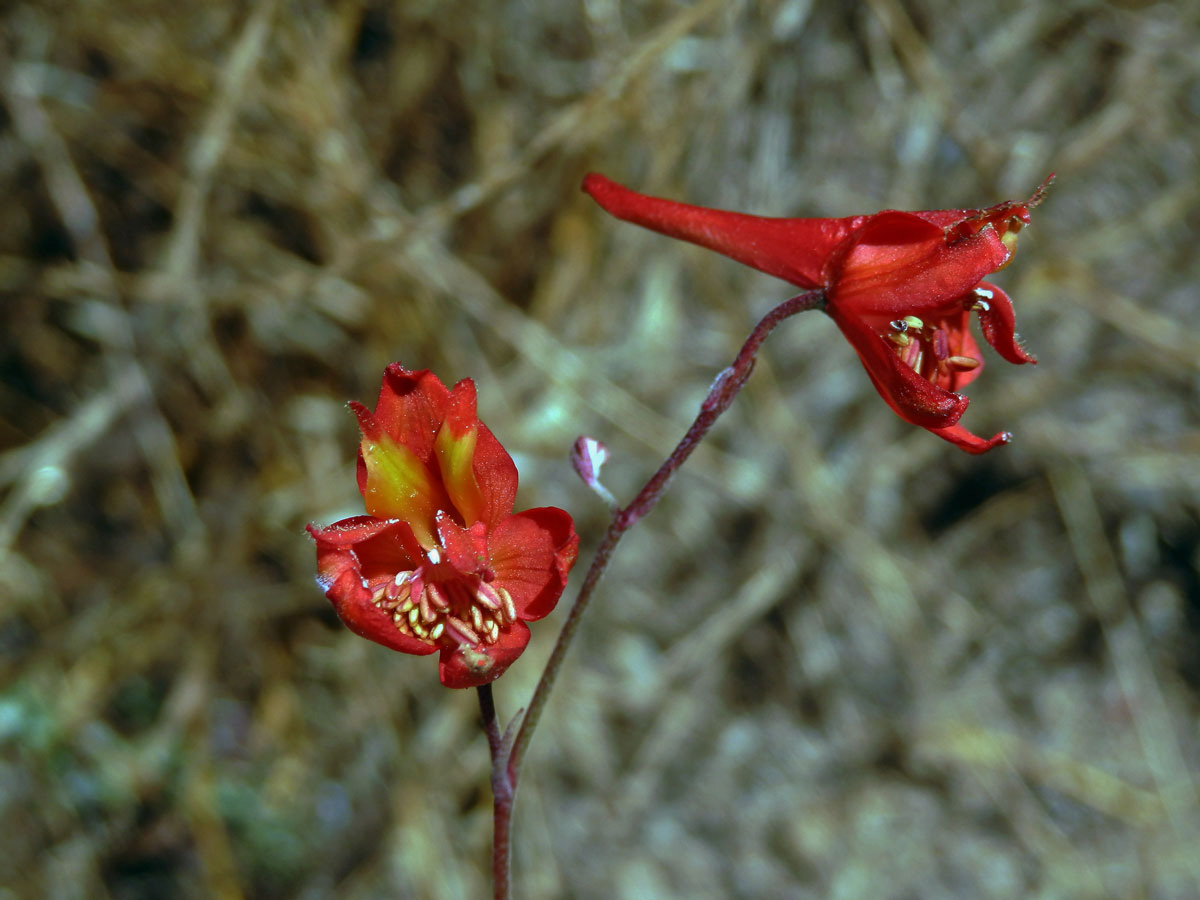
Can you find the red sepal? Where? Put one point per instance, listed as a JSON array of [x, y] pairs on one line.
[[792, 249], [531, 554], [899, 265], [342, 576]]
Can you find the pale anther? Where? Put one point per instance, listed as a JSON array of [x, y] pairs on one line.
[[396, 591], [427, 613], [510, 611], [486, 594], [437, 597], [437, 631], [463, 629]]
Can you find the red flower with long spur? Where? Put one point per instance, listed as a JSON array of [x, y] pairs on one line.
[[901, 286], [441, 562]]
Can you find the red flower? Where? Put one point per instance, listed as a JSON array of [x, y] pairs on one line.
[[900, 285], [441, 563]]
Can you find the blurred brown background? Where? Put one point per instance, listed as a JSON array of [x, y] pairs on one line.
[[842, 659]]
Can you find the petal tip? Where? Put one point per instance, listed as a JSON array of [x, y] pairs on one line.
[[604, 191], [971, 443]]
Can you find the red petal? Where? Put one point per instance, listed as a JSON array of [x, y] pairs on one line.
[[792, 249], [466, 548], [345, 586], [487, 487], [381, 546], [455, 450], [399, 485], [909, 395], [497, 476], [466, 667], [998, 323], [531, 554], [411, 407], [409, 410], [899, 265], [351, 531], [964, 440]]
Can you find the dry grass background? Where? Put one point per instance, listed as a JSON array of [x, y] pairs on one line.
[[842, 659]]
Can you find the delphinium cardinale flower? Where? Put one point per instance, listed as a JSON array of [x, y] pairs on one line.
[[901, 286], [440, 562]]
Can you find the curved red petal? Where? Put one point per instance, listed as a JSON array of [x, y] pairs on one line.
[[455, 450], [496, 474], [792, 249], [380, 546], [395, 455], [909, 395], [344, 582], [411, 406], [531, 555], [472, 666], [480, 476], [347, 532], [899, 265], [965, 440], [998, 323]]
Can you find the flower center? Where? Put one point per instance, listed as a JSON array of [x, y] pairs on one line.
[[925, 349], [444, 608]]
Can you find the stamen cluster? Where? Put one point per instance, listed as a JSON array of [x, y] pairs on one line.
[[454, 611], [926, 349]]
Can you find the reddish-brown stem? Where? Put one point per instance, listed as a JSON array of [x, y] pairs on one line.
[[506, 766], [720, 396], [502, 797]]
